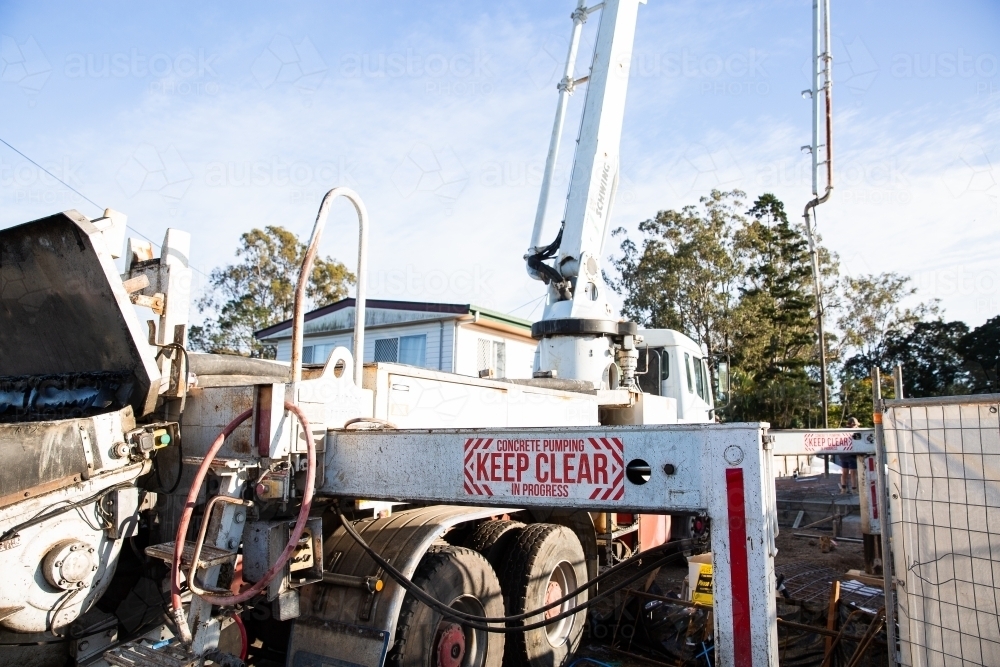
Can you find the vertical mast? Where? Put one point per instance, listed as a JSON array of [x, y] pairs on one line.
[[822, 84]]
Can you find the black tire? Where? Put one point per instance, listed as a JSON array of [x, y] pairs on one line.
[[493, 540], [545, 563], [462, 579]]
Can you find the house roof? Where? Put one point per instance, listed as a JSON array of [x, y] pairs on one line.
[[454, 310]]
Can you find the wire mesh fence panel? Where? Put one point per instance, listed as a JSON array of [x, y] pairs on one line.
[[943, 459]]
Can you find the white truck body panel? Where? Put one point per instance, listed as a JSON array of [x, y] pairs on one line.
[[412, 397]]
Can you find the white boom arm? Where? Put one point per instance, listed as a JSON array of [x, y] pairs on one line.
[[580, 338], [596, 165]]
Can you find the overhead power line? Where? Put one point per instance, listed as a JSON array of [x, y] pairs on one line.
[[85, 197]]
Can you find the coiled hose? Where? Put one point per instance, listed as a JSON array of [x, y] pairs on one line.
[[189, 504]]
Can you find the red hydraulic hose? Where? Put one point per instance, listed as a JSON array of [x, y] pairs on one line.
[[244, 643], [185, 520]]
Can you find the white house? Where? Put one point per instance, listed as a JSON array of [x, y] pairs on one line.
[[458, 338]]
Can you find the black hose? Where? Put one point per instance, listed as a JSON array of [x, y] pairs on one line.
[[178, 475], [569, 596], [11, 532], [537, 263], [549, 274], [478, 622], [183, 381]]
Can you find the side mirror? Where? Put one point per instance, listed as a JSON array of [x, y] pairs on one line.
[[722, 386]]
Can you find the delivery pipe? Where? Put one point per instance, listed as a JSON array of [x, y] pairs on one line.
[[565, 86], [822, 83]]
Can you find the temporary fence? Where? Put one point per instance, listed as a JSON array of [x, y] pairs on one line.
[[943, 487]]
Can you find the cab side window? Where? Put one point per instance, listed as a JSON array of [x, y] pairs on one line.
[[687, 369], [701, 382], [649, 382]]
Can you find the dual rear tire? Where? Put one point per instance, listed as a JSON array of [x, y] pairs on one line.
[[464, 580], [510, 568], [543, 565]]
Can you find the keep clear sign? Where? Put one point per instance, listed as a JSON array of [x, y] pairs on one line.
[[582, 468]]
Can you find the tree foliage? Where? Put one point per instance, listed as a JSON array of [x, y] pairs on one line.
[[685, 274], [259, 291], [738, 281], [931, 357], [873, 314], [775, 338], [980, 349]]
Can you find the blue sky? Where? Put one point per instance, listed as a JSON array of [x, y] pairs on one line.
[[217, 119]]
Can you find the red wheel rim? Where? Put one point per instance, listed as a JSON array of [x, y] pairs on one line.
[[552, 593], [450, 645]]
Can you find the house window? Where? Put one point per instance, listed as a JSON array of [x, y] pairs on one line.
[[410, 350], [387, 350], [491, 357], [316, 354]]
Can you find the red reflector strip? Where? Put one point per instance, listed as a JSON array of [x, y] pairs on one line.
[[738, 568], [262, 420], [872, 486]]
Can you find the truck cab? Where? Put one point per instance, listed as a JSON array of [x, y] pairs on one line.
[[676, 367]]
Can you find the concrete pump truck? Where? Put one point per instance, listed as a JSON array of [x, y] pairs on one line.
[[164, 507]]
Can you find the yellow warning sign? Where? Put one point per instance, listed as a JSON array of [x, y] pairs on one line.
[[702, 591], [700, 578]]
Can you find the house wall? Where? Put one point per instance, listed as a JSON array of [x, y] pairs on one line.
[[520, 352], [441, 330], [454, 341], [344, 319]]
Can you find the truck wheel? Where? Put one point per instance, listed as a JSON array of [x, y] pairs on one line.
[[695, 527], [493, 539], [462, 579], [545, 563]]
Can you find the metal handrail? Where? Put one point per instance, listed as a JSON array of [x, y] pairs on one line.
[[298, 318], [200, 542]]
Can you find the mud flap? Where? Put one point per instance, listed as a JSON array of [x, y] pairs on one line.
[[314, 643]]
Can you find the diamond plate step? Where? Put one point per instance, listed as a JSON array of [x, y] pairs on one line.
[[210, 556]]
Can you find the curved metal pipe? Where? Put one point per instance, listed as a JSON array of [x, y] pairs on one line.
[[298, 318]]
